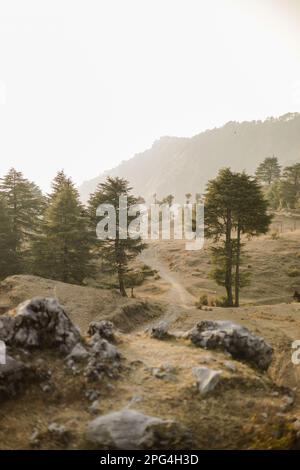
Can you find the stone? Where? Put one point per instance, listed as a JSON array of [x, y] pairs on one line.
[[95, 406], [287, 404], [104, 329], [60, 433], [207, 379], [78, 354], [39, 323], [160, 331], [233, 338], [131, 430], [229, 365], [34, 439], [165, 372], [92, 395], [13, 377]]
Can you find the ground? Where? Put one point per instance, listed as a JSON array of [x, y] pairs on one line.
[[247, 408]]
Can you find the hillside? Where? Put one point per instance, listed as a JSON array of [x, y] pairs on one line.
[[176, 165]]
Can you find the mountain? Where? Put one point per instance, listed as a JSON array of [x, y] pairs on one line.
[[178, 165]]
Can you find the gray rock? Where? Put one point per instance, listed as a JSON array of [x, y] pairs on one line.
[[78, 353], [92, 395], [233, 338], [95, 406], [287, 404], [39, 323], [207, 379], [34, 439], [60, 433], [104, 360], [13, 377], [104, 329], [160, 331], [165, 372], [131, 430], [230, 366]]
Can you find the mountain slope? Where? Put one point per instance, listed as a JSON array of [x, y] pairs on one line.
[[180, 165]]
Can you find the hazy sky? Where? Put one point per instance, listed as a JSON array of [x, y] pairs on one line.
[[85, 84]]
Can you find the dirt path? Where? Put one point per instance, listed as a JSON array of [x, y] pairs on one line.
[[177, 293]]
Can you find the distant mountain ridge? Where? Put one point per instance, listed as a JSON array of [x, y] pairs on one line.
[[180, 165]]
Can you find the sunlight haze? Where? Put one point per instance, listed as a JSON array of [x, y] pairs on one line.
[[85, 85]]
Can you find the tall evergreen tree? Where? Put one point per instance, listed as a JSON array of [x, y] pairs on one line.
[[291, 185], [118, 252], [25, 204], [9, 262], [235, 206], [62, 251], [268, 171]]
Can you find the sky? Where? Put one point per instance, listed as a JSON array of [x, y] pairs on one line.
[[86, 84]]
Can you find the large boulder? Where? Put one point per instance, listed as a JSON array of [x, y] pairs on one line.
[[236, 339], [39, 323], [131, 430]]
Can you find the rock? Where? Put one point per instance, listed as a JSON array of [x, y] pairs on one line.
[[288, 403], [105, 350], [230, 366], [39, 323], [104, 329], [34, 439], [207, 379], [233, 338], [131, 430], [78, 353], [165, 372], [60, 433], [46, 388], [160, 331], [95, 406], [13, 376], [104, 359], [92, 395]]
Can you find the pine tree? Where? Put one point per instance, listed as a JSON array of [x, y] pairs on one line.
[[291, 185], [235, 206], [25, 204], [62, 251], [117, 253], [268, 171], [9, 262]]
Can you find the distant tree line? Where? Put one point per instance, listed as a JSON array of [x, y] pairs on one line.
[[281, 186], [54, 236]]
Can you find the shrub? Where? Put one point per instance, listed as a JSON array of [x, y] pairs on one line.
[[222, 302], [275, 235]]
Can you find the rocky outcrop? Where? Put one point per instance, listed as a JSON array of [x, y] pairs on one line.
[[39, 323], [131, 430], [236, 339]]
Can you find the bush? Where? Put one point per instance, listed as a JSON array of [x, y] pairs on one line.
[[203, 301], [221, 302], [275, 235]]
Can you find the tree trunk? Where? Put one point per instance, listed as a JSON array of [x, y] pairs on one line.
[[228, 274], [121, 284], [237, 268]]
